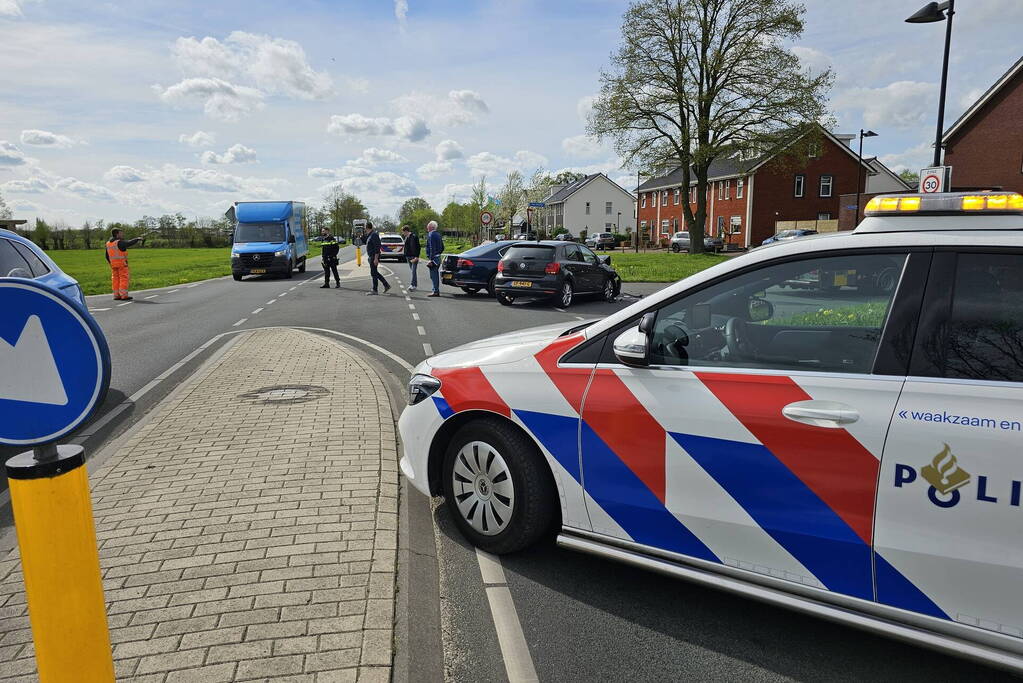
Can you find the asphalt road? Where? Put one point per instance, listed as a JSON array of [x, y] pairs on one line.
[[583, 618]]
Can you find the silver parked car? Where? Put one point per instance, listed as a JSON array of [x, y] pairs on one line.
[[680, 242]]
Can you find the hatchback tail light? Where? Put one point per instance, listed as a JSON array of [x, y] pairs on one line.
[[500, 266], [552, 268], [465, 263]]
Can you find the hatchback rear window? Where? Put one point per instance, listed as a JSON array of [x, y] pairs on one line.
[[531, 253]]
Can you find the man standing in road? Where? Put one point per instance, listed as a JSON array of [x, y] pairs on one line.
[[373, 254], [328, 255], [434, 248], [117, 257], [412, 249]]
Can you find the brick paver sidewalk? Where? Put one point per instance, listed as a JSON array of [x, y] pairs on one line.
[[247, 535]]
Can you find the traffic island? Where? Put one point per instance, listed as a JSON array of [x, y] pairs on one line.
[[247, 529]]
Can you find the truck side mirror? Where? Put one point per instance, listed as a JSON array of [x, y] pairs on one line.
[[291, 239]]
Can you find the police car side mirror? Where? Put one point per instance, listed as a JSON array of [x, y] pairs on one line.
[[631, 347], [760, 310]]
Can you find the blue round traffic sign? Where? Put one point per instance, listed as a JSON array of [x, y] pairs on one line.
[[54, 364]]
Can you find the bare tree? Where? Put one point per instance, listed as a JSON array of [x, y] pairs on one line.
[[698, 80], [5, 211], [511, 196]]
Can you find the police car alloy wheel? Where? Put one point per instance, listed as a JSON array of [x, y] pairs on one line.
[[497, 487]]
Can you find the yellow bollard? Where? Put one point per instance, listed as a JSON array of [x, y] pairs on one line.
[[60, 563], [358, 256]]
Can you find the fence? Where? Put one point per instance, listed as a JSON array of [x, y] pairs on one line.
[[818, 225]]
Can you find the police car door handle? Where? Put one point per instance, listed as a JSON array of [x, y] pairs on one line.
[[821, 413]]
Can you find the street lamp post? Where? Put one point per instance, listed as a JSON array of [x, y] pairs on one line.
[[859, 171], [930, 13]]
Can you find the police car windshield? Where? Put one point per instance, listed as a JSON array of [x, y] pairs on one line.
[[259, 232]]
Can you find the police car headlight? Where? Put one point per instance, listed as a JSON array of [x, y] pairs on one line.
[[421, 387]]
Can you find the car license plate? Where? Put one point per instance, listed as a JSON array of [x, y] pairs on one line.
[[522, 283], [257, 271], [448, 276]]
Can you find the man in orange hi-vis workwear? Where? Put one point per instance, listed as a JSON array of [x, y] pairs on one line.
[[117, 256]]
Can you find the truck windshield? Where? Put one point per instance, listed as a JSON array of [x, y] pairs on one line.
[[259, 232]]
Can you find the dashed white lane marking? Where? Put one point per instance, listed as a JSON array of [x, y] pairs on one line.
[[579, 317], [412, 307], [96, 310], [427, 349], [518, 662], [408, 298], [421, 330], [152, 296], [291, 288], [173, 290], [270, 302], [255, 312], [415, 316], [194, 284], [124, 304], [560, 309], [239, 322], [282, 294]]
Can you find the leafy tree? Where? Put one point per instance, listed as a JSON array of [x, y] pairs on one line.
[[5, 211], [385, 223], [698, 80], [567, 178], [342, 208], [41, 234], [418, 219], [512, 195], [411, 205], [911, 177]]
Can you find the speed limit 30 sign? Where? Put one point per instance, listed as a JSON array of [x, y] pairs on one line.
[[935, 179], [486, 218]]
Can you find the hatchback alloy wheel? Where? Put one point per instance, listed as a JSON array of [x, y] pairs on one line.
[[566, 294], [609, 290]]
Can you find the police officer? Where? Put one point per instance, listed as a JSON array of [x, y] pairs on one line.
[[328, 254]]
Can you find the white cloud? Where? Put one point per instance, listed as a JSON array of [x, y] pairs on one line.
[[199, 138], [902, 104], [33, 185], [86, 190], [373, 156], [273, 65], [10, 155], [913, 159], [488, 163], [125, 174], [12, 8], [469, 100], [409, 128], [401, 13], [235, 154], [449, 149], [343, 173], [435, 169], [357, 85], [582, 146], [381, 191], [44, 138], [584, 107], [812, 59], [459, 108], [220, 100], [971, 96], [213, 180]]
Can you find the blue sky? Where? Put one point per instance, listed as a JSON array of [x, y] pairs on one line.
[[115, 110]]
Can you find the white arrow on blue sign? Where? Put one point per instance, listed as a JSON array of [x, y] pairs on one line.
[[54, 364], [537, 205]]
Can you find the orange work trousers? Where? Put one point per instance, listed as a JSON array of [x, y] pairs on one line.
[[119, 280]]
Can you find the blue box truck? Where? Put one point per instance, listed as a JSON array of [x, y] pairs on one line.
[[269, 237]]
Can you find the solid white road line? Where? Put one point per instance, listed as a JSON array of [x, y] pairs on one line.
[[194, 284], [415, 316], [96, 310], [239, 322], [518, 662], [421, 330], [256, 311], [427, 349], [173, 290], [124, 304], [152, 296]]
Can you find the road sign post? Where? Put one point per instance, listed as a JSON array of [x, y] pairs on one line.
[[935, 179], [54, 372]]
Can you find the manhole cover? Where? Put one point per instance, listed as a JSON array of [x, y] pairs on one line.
[[285, 393]]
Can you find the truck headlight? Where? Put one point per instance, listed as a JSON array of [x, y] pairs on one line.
[[282, 252], [421, 387], [234, 256]]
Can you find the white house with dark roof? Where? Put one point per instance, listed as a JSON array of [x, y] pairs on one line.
[[594, 204]]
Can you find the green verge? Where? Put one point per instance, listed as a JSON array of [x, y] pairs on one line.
[[150, 268], [660, 267], [870, 314]]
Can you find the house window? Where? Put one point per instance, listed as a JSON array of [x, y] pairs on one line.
[[678, 195], [692, 194], [664, 197], [642, 200], [608, 226], [642, 224], [587, 208], [814, 150], [739, 188], [800, 185], [665, 225], [721, 226], [824, 216], [607, 208], [721, 190], [826, 185], [728, 189]]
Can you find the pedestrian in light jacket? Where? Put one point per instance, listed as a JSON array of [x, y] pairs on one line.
[[412, 249], [434, 248]]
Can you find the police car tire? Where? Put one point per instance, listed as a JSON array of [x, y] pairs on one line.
[[535, 494]]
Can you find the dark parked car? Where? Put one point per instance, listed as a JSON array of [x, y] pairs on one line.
[[786, 235], [474, 269], [565, 237], [558, 270]]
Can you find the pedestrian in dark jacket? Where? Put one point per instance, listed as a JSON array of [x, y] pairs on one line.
[[372, 238], [412, 250], [434, 249]]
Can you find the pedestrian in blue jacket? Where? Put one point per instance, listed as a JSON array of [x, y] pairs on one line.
[[434, 248]]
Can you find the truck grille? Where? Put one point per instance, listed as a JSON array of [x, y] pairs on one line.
[[260, 260]]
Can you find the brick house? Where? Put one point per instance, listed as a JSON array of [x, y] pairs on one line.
[[985, 146], [746, 197]]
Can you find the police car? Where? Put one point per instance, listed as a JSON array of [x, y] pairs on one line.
[[832, 424]]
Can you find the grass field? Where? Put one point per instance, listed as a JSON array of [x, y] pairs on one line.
[[149, 267], [660, 267]]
